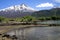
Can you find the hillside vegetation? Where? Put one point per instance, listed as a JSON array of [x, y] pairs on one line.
[[47, 13]]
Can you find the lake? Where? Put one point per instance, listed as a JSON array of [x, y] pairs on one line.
[[36, 33], [50, 22]]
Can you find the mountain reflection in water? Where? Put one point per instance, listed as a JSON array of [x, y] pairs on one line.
[[37, 33]]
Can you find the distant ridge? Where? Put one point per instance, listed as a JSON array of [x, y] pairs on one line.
[[47, 13]]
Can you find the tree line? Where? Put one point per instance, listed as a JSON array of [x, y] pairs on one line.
[[28, 19]]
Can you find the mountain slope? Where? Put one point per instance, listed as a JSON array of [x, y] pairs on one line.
[[24, 10], [47, 13], [16, 11]]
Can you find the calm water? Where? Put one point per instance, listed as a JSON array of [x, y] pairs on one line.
[[37, 33], [50, 22]]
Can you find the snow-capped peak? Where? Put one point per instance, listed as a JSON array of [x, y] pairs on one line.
[[23, 5], [26, 7], [19, 7]]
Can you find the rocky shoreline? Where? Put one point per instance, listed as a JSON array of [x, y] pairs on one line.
[[9, 24]]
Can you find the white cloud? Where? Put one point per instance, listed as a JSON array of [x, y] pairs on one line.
[[45, 5], [58, 1]]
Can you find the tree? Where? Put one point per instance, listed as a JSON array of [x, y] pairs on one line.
[[48, 18], [53, 17], [42, 18], [28, 18], [2, 19]]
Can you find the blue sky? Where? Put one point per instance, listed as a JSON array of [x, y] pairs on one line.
[[36, 4]]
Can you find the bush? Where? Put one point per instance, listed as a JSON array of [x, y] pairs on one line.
[[42, 18], [2, 19], [48, 18], [54, 18]]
